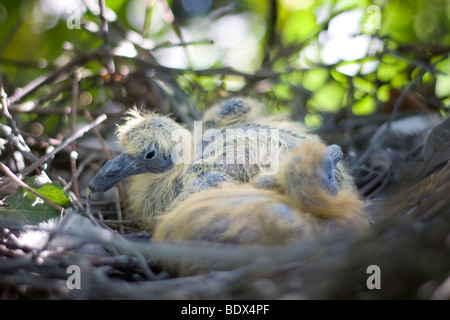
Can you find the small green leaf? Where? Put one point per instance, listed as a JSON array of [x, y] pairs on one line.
[[383, 93], [313, 121], [328, 98], [283, 92], [300, 25], [25, 206], [21, 206], [55, 194], [315, 78], [365, 106]]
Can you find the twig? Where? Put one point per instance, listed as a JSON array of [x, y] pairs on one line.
[[64, 144], [52, 110], [117, 196], [120, 193], [21, 93], [260, 75], [183, 44], [73, 167], [13, 133], [149, 4], [170, 19], [17, 142], [105, 33], [89, 158], [21, 184], [384, 177], [73, 116], [119, 221]]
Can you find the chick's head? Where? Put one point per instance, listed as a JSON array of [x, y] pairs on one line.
[[308, 177], [148, 145]]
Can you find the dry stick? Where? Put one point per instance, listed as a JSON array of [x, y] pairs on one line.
[[88, 116], [43, 140], [119, 221], [13, 134], [170, 19], [141, 259], [260, 75], [21, 184], [21, 93], [18, 142], [90, 157], [36, 106], [64, 144], [149, 5], [385, 178], [183, 44], [105, 34], [53, 111], [119, 210], [73, 116], [55, 92], [121, 192], [420, 193]]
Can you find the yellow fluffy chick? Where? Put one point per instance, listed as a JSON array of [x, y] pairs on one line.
[[156, 183], [304, 200], [234, 111]]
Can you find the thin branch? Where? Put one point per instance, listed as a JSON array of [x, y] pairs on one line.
[[81, 167], [105, 33], [170, 19], [149, 5], [73, 116], [64, 144], [54, 110], [13, 132], [183, 44], [119, 192], [31, 87]]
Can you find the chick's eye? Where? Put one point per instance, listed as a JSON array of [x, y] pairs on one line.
[[150, 155]]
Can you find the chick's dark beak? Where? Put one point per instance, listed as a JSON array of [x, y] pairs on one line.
[[151, 160], [113, 172]]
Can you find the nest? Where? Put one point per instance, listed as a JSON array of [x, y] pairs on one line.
[[407, 244], [405, 180]]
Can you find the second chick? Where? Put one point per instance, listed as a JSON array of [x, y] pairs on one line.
[[303, 200]]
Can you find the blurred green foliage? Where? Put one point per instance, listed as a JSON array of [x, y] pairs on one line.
[[308, 58]]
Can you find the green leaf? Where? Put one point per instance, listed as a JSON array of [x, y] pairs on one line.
[[54, 193], [443, 86], [363, 85], [383, 93], [300, 26], [313, 121], [365, 106], [25, 206], [329, 98], [315, 78], [283, 92], [425, 24], [21, 206]]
